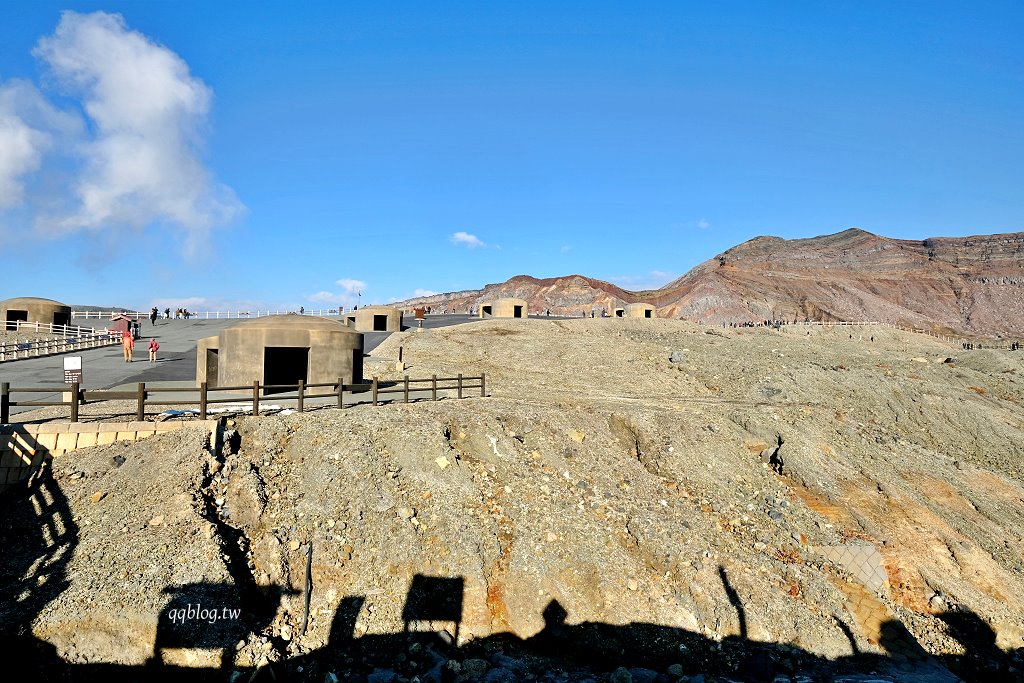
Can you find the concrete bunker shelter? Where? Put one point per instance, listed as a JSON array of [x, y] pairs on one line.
[[640, 311], [504, 308], [375, 319], [281, 349], [121, 323], [34, 310]]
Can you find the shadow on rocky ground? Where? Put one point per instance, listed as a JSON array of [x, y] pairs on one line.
[[39, 537]]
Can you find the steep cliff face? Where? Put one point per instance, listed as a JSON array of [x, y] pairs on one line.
[[968, 285], [971, 284]]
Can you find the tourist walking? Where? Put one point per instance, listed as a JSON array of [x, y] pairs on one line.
[[153, 348], [128, 344]]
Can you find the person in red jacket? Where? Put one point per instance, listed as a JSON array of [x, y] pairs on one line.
[[153, 348]]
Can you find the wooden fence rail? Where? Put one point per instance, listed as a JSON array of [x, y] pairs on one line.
[[73, 395], [46, 347]]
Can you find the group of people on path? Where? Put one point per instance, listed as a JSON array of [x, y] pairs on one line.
[[761, 323], [972, 346], [154, 313], [128, 345]]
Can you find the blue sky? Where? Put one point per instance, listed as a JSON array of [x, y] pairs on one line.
[[258, 155]]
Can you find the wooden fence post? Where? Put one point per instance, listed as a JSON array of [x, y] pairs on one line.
[[202, 400], [74, 402], [375, 390], [483, 384], [460, 385], [407, 388], [256, 398], [5, 402], [140, 410], [302, 396], [341, 392], [433, 387]]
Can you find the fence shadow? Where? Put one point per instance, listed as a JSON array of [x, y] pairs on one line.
[[39, 536]]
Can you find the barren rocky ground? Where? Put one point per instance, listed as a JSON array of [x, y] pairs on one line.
[[635, 500]]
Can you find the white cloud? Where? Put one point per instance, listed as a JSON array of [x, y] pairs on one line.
[[700, 224], [347, 297], [139, 161], [654, 279], [424, 292], [565, 248], [22, 148], [325, 297], [351, 286], [465, 239], [29, 128]]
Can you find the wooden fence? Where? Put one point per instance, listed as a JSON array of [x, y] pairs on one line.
[[74, 395], [46, 347]]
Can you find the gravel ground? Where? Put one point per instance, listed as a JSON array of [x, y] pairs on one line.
[[9, 336], [604, 506]]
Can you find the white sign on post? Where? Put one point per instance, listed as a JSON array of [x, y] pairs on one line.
[[72, 369]]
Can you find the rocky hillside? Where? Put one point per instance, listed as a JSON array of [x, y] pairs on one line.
[[569, 295], [970, 285], [639, 500]]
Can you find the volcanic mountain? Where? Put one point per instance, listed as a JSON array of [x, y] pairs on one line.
[[969, 285]]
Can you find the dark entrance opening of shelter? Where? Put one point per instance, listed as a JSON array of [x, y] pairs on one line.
[[212, 361], [380, 323], [487, 311], [13, 317], [285, 365], [648, 313], [62, 319], [517, 311], [619, 312], [357, 364]]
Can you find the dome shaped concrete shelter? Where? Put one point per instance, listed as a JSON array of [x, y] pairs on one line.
[[281, 349], [375, 319], [34, 310], [504, 308], [640, 311]]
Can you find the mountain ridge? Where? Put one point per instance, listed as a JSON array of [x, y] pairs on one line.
[[972, 285]]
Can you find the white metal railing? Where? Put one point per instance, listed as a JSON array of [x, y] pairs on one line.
[[862, 323], [210, 315], [328, 312], [105, 315], [48, 328], [46, 347], [216, 315]]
